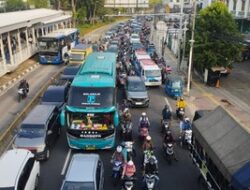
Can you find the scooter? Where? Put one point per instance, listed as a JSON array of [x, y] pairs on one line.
[[21, 92], [164, 126], [150, 181], [180, 112], [186, 138], [126, 131], [122, 79], [130, 152], [128, 183], [169, 152], [116, 171]]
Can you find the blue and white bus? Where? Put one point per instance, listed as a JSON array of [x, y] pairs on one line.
[[54, 47], [91, 115]]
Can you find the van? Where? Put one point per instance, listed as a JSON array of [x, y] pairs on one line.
[[19, 170], [79, 53], [39, 130], [85, 171]]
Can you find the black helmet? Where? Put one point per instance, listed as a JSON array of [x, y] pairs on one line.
[[166, 106]]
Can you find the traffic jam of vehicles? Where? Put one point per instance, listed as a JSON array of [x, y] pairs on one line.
[[83, 100]]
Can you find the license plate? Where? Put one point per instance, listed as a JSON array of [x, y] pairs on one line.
[[138, 103]]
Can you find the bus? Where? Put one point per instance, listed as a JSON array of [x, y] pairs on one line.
[[146, 68], [54, 47], [90, 115]]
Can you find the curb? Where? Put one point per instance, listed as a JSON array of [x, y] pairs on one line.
[[6, 86]]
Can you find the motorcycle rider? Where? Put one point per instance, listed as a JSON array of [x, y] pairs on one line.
[[180, 104], [128, 169], [147, 145], [126, 115], [185, 124], [118, 155], [144, 121], [25, 85], [166, 114], [168, 138]]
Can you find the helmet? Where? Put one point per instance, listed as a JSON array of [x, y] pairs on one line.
[[148, 138], [152, 160], [168, 132], [130, 163], [143, 114], [181, 98], [187, 119], [119, 149], [166, 106], [126, 110]]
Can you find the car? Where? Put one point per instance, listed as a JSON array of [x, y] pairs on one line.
[[85, 171], [135, 38], [136, 92], [55, 95], [39, 130], [19, 170], [69, 72]]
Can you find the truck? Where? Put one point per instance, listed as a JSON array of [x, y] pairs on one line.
[[79, 53]]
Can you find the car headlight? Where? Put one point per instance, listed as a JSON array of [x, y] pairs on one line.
[[40, 148]]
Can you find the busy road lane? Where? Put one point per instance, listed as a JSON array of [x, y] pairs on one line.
[[178, 176]]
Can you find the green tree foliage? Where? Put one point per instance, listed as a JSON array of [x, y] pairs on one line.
[[217, 39], [39, 3], [15, 5]]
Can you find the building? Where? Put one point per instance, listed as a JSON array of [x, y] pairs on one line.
[[19, 32]]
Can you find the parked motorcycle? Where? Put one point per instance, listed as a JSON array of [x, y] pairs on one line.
[[150, 181], [116, 171], [169, 152]]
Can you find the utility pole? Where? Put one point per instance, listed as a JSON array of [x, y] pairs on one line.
[[191, 49], [184, 40], [179, 36]]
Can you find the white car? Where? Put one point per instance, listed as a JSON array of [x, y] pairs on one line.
[[135, 38], [19, 170]]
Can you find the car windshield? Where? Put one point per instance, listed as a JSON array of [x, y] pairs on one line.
[[68, 185], [153, 73], [136, 86], [176, 84], [31, 131]]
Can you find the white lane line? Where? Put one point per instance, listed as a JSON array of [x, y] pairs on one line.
[[167, 102], [66, 162]]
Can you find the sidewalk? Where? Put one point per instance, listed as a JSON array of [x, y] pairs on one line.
[[204, 97]]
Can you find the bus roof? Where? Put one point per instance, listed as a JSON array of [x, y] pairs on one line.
[[149, 64], [99, 70], [60, 33]]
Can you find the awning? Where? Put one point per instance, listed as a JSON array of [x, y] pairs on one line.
[[224, 140], [58, 19], [241, 179]]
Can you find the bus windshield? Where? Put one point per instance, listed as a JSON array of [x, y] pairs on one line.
[[94, 97], [152, 73], [48, 45]]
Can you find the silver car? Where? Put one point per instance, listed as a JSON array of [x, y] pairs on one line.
[[85, 171], [136, 92]]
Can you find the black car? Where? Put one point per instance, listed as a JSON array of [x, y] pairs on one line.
[[69, 72]]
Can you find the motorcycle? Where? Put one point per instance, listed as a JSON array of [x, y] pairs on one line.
[[126, 131], [150, 181], [169, 152], [146, 156], [165, 126], [128, 183], [143, 133], [122, 79], [116, 171], [186, 138], [180, 112], [21, 94], [130, 151]]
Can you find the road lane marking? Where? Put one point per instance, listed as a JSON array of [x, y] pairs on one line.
[[66, 162], [167, 102]]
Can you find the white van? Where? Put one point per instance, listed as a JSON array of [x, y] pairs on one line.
[[19, 170]]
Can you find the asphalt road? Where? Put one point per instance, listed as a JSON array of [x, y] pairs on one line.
[[178, 176]]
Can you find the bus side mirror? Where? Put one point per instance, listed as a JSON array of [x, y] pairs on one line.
[[62, 118]]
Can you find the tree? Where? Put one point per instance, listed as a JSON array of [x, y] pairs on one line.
[[39, 3], [217, 39], [15, 5]]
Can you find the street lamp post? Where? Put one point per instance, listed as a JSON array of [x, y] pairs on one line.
[[184, 40], [191, 50], [180, 35]]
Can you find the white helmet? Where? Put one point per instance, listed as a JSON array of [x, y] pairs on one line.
[[130, 163], [126, 110], [143, 114], [148, 138], [119, 149], [187, 119]]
